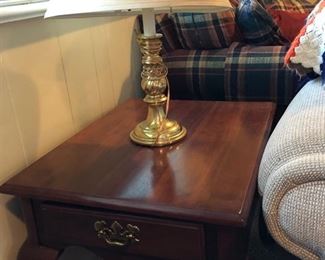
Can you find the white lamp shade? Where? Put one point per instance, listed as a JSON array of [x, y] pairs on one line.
[[125, 7]]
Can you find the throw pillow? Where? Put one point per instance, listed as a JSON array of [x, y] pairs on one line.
[[289, 22], [206, 30], [256, 25], [301, 6]]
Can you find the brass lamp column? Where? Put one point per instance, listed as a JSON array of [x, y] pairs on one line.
[[156, 130]]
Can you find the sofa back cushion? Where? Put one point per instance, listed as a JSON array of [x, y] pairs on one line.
[[165, 26], [256, 24], [257, 73], [241, 72], [206, 30]]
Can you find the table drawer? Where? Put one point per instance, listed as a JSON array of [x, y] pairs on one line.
[[62, 226]]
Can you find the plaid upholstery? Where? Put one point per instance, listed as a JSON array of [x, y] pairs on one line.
[[237, 73], [165, 26], [258, 73], [206, 31], [196, 74], [302, 6], [256, 25]]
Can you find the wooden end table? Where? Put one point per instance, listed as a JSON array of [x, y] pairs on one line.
[[190, 200]]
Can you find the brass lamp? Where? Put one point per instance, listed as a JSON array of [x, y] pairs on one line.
[[156, 130]]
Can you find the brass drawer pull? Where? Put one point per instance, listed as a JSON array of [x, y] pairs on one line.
[[116, 235]]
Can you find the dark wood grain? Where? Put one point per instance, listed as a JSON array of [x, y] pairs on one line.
[[61, 226], [29, 219], [209, 177]]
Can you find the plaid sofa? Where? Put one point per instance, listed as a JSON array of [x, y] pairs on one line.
[[240, 72]]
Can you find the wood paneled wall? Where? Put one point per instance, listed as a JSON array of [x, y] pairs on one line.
[[56, 76]]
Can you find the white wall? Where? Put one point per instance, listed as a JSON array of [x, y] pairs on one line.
[[56, 76]]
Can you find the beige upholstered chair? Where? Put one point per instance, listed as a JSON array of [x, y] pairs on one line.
[[292, 175]]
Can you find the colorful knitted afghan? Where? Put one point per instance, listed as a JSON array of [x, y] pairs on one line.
[[307, 49]]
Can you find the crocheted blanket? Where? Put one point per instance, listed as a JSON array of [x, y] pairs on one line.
[[306, 53]]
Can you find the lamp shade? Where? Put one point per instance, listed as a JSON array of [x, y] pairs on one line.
[[125, 7]]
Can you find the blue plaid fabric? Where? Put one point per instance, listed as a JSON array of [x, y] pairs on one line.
[[196, 74], [256, 25], [240, 72], [165, 26], [204, 31], [258, 73]]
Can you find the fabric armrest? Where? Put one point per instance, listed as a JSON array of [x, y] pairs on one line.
[[300, 132], [289, 211]]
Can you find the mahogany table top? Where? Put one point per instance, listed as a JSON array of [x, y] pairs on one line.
[[209, 177]]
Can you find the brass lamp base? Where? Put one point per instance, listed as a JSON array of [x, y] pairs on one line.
[[168, 133], [156, 130]]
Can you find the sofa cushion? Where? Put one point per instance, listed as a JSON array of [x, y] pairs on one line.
[[203, 31], [256, 25], [246, 73], [165, 26], [257, 73], [196, 74]]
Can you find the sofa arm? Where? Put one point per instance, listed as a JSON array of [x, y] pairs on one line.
[[294, 206], [300, 132], [292, 175]]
